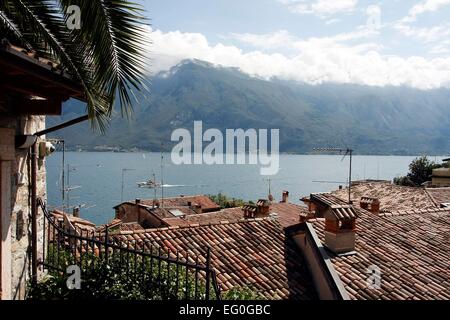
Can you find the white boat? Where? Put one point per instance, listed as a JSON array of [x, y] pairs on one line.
[[150, 184]]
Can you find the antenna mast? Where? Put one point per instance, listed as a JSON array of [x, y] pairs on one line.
[[162, 176], [349, 152]]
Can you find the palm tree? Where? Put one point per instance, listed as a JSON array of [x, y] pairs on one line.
[[106, 55]]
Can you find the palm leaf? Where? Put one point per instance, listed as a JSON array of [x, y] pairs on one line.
[[56, 42], [107, 55], [113, 28]]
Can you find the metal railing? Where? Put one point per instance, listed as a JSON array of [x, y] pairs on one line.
[[159, 274]]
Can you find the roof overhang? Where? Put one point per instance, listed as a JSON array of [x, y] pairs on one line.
[[36, 86]]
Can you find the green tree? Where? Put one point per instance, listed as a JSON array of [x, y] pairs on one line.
[[420, 171], [105, 54], [225, 202]]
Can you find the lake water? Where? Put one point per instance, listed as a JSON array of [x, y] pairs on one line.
[[96, 178]]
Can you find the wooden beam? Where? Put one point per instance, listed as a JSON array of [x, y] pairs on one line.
[[39, 73], [50, 107], [28, 89]]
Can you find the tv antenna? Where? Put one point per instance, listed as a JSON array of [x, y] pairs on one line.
[[347, 152], [162, 175], [123, 176], [269, 181]]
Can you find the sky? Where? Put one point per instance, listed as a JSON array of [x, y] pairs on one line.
[[378, 43]]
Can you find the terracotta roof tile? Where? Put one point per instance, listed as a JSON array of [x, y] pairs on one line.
[[183, 201], [411, 250], [392, 197], [254, 253], [439, 195]]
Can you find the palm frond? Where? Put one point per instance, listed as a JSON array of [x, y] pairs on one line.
[[8, 25], [107, 55], [57, 40], [113, 28]]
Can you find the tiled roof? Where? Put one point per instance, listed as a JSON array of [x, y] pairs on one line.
[[439, 195], [410, 248], [346, 212], [392, 197], [183, 201], [328, 199], [225, 215], [130, 226], [339, 208], [252, 253], [76, 222], [287, 214], [165, 213]]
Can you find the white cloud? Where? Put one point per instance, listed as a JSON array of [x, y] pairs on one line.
[[272, 40], [441, 48], [423, 7], [320, 7], [317, 60], [332, 21], [283, 39], [427, 35]]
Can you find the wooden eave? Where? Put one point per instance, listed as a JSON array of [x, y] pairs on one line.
[[24, 78]]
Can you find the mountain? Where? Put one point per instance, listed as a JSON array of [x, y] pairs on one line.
[[372, 120]]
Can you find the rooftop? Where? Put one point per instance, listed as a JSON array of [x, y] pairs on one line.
[[77, 222], [185, 201], [252, 253], [32, 76], [392, 197], [287, 214], [439, 195], [410, 248]]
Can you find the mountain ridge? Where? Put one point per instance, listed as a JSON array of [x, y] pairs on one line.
[[372, 120]]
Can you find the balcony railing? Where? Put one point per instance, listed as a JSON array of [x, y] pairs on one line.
[[157, 273]]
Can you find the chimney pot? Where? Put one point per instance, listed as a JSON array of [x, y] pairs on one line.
[[370, 204], [138, 201], [285, 197], [263, 207]]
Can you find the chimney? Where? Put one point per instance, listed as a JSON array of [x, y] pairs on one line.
[[340, 229], [76, 212], [197, 208], [370, 204], [309, 203], [340, 187], [260, 210], [262, 207], [285, 197], [138, 201], [340, 222], [249, 211]]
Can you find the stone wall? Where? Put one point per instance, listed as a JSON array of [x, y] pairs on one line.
[[18, 231]]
